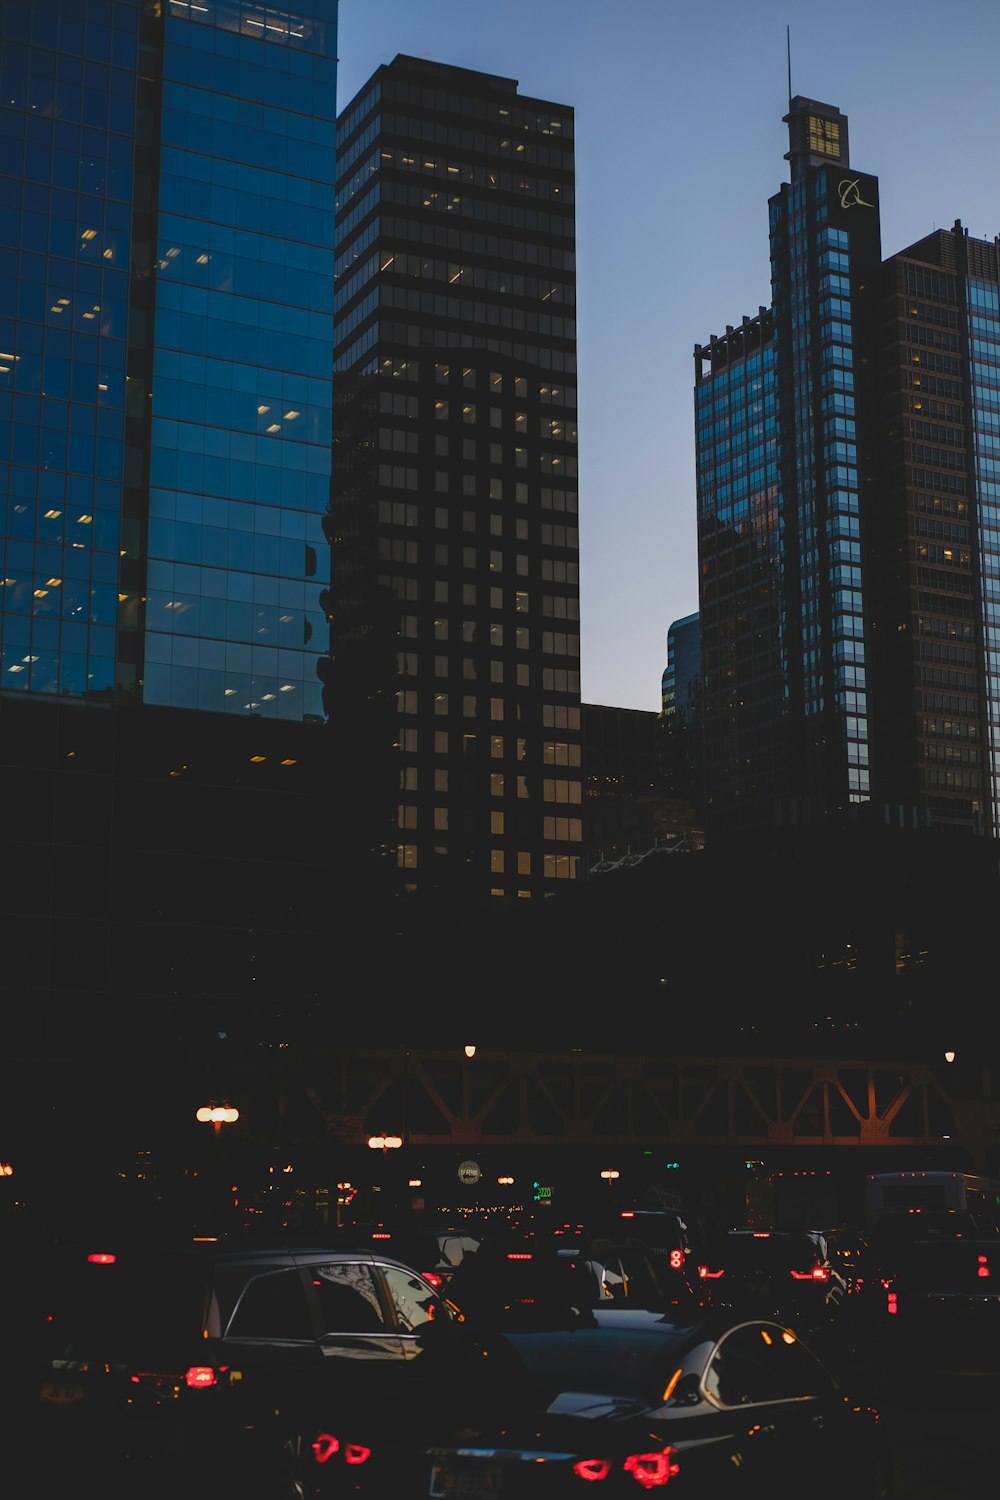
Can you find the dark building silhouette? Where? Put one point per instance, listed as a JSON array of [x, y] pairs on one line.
[[455, 594]]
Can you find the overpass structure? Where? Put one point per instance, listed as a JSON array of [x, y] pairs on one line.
[[635, 1099]]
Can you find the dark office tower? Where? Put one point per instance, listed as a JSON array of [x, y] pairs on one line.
[[681, 712], [783, 463], [938, 533], [455, 575], [166, 300]]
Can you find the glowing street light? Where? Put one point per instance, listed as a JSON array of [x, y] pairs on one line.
[[949, 1057], [385, 1143], [609, 1175], [217, 1115], [470, 1051]]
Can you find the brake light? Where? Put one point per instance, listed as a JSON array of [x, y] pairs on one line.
[[199, 1377], [102, 1258], [592, 1468], [627, 1213], [380, 1234], [433, 1278], [677, 1260], [707, 1274], [326, 1445], [818, 1273], [983, 1268], [519, 1255], [652, 1469], [891, 1305]]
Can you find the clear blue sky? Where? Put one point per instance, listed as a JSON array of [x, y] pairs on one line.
[[680, 143]]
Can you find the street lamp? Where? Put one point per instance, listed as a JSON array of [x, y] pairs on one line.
[[949, 1057], [217, 1115], [470, 1051], [385, 1143], [609, 1174]]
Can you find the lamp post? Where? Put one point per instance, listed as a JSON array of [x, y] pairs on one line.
[[217, 1115], [610, 1175], [385, 1143]]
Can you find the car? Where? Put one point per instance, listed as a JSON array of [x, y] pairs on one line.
[[622, 1400], [229, 1367], [671, 1233], [434, 1251], [510, 1282], [784, 1272], [938, 1300]]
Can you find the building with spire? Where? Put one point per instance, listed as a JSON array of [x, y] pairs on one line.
[[847, 483]]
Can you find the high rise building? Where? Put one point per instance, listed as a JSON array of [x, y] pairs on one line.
[[846, 519], [166, 303], [681, 712], [455, 597]]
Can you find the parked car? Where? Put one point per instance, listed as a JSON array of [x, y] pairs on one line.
[[224, 1368], [511, 1283], [624, 1397]]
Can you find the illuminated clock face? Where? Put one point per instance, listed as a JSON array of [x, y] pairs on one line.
[[824, 136]]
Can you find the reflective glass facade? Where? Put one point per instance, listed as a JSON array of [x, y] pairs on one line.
[[850, 664], [166, 332]]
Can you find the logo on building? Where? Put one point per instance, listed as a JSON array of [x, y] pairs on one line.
[[469, 1172], [850, 194]]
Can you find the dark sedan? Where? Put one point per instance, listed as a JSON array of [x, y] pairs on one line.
[[226, 1368], [624, 1398]]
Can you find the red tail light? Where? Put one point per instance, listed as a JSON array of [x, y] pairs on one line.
[[652, 1469], [707, 1274], [818, 1273], [324, 1447], [102, 1258], [199, 1377], [677, 1260], [983, 1267], [519, 1255], [592, 1468], [433, 1278], [891, 1305]]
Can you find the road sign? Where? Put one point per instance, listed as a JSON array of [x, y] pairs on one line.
[[469, 1172]]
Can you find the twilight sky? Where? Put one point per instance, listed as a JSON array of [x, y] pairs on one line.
[[679, 145]]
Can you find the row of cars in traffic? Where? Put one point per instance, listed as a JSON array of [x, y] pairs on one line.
[[512, 1360]]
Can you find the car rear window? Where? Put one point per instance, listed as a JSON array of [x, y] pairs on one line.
[[112, 1309], [966, 1266], [778, 1252]]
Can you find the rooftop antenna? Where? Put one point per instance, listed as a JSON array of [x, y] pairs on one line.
[[788, 47]]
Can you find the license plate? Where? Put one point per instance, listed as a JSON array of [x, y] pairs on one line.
[[61, 1392], [457, 1478]]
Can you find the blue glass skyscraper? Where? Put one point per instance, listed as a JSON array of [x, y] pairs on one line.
[[166, 352], [166, 333]]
